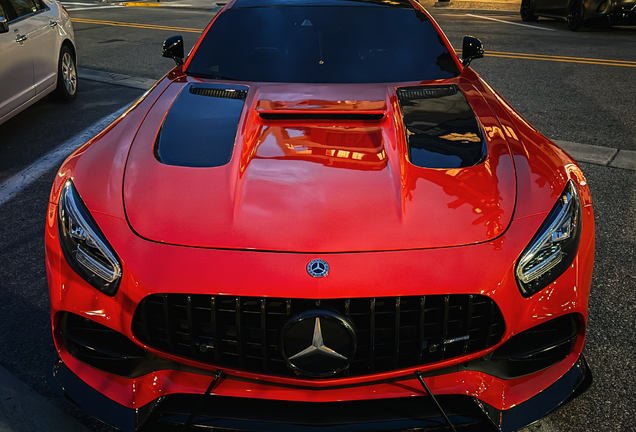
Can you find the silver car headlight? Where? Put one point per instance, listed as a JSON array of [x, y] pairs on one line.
[[84, 246], [553, 247]]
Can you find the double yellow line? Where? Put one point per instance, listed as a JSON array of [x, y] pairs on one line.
[[135, 25], [562, 59]]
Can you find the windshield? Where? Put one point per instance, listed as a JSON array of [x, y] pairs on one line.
[[323, 45]]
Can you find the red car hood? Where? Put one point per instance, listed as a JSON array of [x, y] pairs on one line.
[[319, 185]]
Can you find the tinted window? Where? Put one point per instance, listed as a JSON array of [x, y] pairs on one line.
[[25, 7], [323, 45]]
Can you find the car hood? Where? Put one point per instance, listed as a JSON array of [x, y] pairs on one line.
[[308, 168]]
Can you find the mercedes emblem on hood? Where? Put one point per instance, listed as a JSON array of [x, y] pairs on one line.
[[318, 268]]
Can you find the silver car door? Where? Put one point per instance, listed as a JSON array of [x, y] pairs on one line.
[[40, 28], [16, 67]]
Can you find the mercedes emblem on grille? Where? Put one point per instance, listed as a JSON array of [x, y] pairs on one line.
[[318, 268], [318, 343]]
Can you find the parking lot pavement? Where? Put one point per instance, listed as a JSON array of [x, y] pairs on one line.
[[22, 409]]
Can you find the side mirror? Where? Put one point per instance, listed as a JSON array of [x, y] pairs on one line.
[[472, 49], [173, 48], [4, 25]]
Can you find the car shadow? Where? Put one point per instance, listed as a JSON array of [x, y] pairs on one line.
[[558, 24]]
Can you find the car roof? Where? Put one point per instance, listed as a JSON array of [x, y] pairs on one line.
[[401, 4]]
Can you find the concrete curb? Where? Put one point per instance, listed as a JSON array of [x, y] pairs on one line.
[[625, 159], [597, 155], [588, 153], [114, 78], [22, 409]]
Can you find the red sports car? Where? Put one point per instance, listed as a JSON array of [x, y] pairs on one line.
[[321, 217]]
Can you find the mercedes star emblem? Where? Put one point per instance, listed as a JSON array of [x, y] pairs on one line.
[[318, 268], [318, 342]]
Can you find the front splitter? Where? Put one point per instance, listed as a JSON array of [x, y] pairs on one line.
[[171, 412]]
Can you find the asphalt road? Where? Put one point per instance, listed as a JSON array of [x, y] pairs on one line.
[[568, 96]]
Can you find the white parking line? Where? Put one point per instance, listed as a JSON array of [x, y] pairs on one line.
[[511, 23], [14, 185]]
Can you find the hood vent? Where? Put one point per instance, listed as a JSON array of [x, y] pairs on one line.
[[219, 93], [426, 93], [441, 128], [200, 128], [322, 116]]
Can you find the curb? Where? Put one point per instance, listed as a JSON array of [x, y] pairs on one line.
[[115, 78]]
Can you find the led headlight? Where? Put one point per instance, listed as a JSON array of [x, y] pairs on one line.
[[553, 247], [84, 246]]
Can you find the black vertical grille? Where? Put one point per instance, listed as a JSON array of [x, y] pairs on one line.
[[244, 332]]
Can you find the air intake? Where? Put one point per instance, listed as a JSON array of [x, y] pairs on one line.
[[219, 93], [426, 93], [322, 116]]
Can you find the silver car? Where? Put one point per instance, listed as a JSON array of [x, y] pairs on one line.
[[37, 54]]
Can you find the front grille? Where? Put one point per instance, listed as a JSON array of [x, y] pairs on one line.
[[244, 332]]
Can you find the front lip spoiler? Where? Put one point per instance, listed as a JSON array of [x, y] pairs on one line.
[[567, 388], [67, 384]]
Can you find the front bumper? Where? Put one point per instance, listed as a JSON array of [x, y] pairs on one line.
[[250, 400], [415, 413]]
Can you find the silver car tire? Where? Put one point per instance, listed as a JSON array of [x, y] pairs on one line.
[[66, 76]]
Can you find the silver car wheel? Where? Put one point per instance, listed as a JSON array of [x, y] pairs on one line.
[[69, 74]]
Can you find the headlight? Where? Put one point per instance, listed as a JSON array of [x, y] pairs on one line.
[[553, 247], [84, 246]]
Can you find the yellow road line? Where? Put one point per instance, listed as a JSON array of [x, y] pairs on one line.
[[562, 57], [135, 25], [566, 60], [139, 4], [581, 60]]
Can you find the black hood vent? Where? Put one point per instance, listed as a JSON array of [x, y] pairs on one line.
[[441, 128], [200, 128], [218, 93], [337, 116], [426, 93]]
